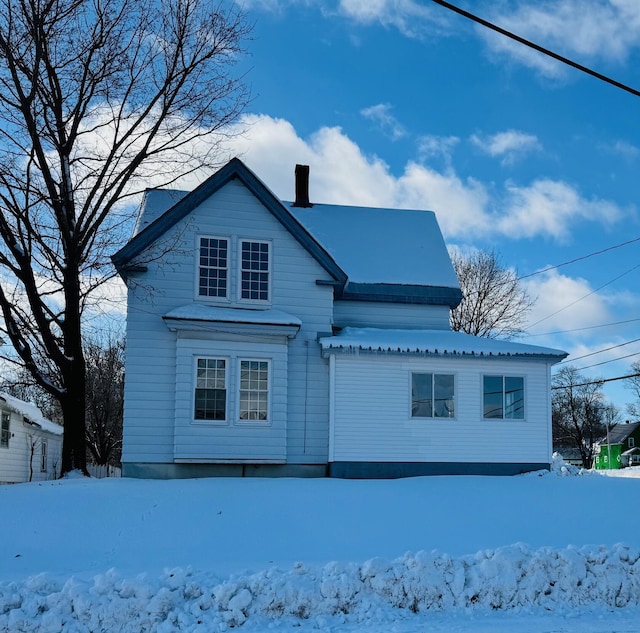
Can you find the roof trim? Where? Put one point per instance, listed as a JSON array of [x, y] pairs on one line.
[[402, 293], [235, 168]]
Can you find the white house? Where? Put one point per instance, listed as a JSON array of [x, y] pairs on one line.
[[30, 445], [275, 338]]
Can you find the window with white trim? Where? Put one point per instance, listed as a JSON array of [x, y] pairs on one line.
[[503, 397], [213, 271], [43, 456], [211, 389], [254, 390], [632, 442], [5, 432], [254, 270], [432, 395]]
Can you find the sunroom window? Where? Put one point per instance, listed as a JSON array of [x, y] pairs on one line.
[[503, 397], [432, 395]]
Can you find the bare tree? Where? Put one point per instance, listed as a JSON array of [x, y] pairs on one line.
[[580, 414], [494, 303], [94, 96], [633, 384], [105, 399]]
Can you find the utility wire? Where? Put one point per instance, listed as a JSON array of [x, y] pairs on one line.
[[585, 296], [600, 351], [605, 362], [578, 259], [595, 382], [537, 47], [580, 329]]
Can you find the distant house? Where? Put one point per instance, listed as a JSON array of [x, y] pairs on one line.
[[30, 445], [275, 338], [620, 448]]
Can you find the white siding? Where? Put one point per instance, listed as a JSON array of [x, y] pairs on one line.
[[150, 434], [21, 461], [372, 416], [390, 315]]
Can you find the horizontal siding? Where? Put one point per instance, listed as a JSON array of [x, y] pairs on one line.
[[373, 420], [150, 430], [398, 315], [15, 460]]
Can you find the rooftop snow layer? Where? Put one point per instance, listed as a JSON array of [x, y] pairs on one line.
[[199, 312], [431, 342], [392, 246], [32, 413]]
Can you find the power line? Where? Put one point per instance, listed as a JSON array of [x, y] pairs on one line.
[[578, 259], [607, 349], [595, 382], [537, 47], [585, 296], [580, 329], [606, 362]]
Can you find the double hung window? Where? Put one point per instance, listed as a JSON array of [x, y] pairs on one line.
[[254, 389], [254, 271], [432, 395], [213, 267], [43, 456], [503, 397], [211, 389]]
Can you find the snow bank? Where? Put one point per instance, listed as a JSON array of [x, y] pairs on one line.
[[503, 579]]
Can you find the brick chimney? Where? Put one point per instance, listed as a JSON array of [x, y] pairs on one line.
[[302, 186]]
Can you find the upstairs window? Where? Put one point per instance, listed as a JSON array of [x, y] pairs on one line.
[[4, 429], [254, 389], [213, 267], [211, 389], [503, 397], [254, 271], [432, 395]]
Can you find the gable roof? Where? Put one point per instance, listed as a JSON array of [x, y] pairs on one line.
[[372, 254], [620, 432], [154, 225]]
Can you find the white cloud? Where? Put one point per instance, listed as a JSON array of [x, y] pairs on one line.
[[342, 174], [625, 149], [430, 146], [411, 18], [586, 29], [562, 300], [551, 207], [381, 115], [510, 145]]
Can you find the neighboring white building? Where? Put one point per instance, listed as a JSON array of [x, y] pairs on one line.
[[30, 445], [274, 338]]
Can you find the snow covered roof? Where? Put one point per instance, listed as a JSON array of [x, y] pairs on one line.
[[32, 413], [199, 312], [374, 253], [381, 246], [154, 204], [437, 342]]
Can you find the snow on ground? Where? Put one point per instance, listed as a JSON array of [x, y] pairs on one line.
[[533, 553]]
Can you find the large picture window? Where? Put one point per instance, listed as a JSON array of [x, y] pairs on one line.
[[211, 389], [254, 389], [432, 395], [213, 267], [254, 271], [503, 397], [4, 429]]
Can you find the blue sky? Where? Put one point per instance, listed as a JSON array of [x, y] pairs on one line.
[[404, 103]]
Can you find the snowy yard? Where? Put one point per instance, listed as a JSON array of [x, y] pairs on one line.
[[521, 554]]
